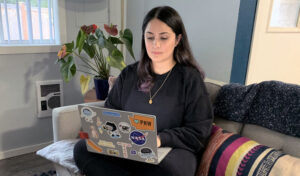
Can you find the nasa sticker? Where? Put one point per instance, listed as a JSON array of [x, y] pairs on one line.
[[88, 114], [138, 137], [124, 127], [148, 154]]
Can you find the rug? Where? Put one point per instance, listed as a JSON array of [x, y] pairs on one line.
[[44, 170]]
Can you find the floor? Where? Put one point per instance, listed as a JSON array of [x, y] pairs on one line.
[[26, 165]]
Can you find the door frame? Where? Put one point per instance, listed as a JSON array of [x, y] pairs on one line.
[[243, 39]]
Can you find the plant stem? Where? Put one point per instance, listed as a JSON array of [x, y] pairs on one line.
[[85, 60]]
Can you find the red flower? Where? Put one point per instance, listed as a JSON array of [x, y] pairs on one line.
[[94, 28], [89, 29], [112, 29]]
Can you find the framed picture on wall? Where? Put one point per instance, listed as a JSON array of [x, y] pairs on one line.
[[284, 16]]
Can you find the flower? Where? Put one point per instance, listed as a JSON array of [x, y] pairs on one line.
[[89, 29], [97, 51], [62, 52], [112, 29]]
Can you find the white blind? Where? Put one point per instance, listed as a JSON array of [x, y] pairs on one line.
[[28, 22]]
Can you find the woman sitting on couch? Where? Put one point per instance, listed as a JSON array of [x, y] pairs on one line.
[[168, 83]]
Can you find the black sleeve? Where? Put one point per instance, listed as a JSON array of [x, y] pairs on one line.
[[198, 117]]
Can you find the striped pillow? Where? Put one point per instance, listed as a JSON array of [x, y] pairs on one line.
[[231, 154]]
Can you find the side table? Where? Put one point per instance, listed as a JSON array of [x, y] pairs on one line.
[[90, 96]]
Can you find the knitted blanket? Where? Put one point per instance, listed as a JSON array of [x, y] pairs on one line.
[[271, 104]]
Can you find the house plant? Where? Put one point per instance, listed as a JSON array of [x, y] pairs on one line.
[[98, 52]]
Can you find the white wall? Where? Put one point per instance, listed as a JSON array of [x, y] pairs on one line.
[[211, 27], [19, 126], [274, 55]]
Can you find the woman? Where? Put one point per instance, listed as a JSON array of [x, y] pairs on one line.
[[168, 83]]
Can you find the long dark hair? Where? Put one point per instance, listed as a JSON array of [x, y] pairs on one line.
[[182, 52]]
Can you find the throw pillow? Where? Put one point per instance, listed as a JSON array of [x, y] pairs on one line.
[[231, 154], [61, 153]]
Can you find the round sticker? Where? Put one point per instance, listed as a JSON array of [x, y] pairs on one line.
[[138, 138]]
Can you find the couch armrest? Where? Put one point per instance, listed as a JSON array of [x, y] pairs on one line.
[[66, 121]]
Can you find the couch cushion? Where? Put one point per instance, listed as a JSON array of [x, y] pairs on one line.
[[279, 141], [231, 154], [212, 90], [231, 126], [61, 153]]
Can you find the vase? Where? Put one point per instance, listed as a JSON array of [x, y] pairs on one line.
[[101, 87]]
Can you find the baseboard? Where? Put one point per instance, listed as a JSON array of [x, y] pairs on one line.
[[23, 150]]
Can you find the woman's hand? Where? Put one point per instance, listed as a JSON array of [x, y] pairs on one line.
[[158, 141]]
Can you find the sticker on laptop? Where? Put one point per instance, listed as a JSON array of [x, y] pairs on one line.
[[124, 148], [124, 127], [99, 123], [142, 122], [148, 154], [94, 146], [133, 152], [94, 132], [106, 144], [88, 114], [112, 130], [138, 137], [113, 152], [111, 114]]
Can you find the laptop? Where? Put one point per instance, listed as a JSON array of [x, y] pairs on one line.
[[121, 134]]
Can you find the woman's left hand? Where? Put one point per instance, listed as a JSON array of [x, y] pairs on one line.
[[158, 141]]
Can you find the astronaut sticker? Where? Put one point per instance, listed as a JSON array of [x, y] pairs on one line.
[[147, 154], [138, 138], [112, 130], [124, 127], [88, 114]]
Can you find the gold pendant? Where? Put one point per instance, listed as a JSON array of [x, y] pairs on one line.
[[150, 101]]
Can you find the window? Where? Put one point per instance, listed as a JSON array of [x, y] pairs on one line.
[[29, 23], [284, 16]]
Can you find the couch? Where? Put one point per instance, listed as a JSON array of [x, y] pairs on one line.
[[66, 125]]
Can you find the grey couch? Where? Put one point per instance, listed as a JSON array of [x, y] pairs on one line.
[[66, 125]]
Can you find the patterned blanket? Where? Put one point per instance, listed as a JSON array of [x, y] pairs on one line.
[[271, 104]]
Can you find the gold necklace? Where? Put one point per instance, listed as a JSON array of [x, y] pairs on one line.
[[151, 97]]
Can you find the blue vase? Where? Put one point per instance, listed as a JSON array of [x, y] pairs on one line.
[[101, 87]]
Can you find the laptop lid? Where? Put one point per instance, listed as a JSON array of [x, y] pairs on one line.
[[119, 133]]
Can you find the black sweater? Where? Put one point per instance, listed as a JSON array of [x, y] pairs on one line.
[[182, 107]]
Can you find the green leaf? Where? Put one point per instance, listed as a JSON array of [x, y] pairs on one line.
[[109, 46], [99, 33], [68, 69], [115, 59], [127, 39], [70, 47], [114, 40], [91, 40], [101, 42], [88, 49], [84, 83], [81, 37]]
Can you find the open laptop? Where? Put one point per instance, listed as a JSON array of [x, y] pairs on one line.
[[121, 134]]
